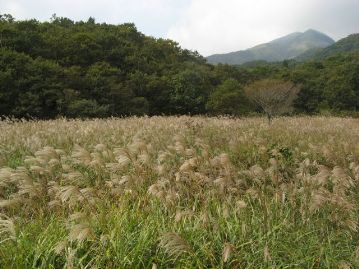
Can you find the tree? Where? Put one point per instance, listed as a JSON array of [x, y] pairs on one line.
[[273, 96], [228, 98], [189, 91]]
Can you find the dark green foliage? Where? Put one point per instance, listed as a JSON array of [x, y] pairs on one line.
[[228, 98], [86, 108], [85, 69], [330, 84]]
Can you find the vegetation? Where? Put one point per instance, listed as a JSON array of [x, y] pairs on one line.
[[286, 47], [348, 44], [85, 69], [221, 193], [274, 97]]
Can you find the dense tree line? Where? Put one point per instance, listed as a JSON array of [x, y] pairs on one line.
[[87, 69]]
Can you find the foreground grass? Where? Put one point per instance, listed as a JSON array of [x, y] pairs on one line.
[[179, 193]]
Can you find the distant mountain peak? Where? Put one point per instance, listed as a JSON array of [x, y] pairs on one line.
[[313, 31], [286, 47]]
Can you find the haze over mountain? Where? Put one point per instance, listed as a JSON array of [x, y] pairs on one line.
[[348, 44], [287, 47]]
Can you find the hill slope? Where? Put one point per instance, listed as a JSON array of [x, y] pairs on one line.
[[287, 47], [348, 44]]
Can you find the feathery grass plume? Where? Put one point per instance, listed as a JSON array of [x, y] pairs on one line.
[[6, 174], [54, 163], [186, 167], [178, 177], [72, 178], [350, 222], [100, 147], [183, 214], [39, 170], [11, 203], [190, 153], [46, 154], [69, 194], [80, 232], [344, 265], [171, 197], [205, 219], [66, 168], [225, 212], [227, 251], [253, 193], [81, 155], [341, 178], [244, 229], [257, 171], [60, 152], [104, 239], [323, 175], [137, 146], [240, 204], [97, 161], [163, 156], [123, 159], [154, 189], [174, 244], [318, 199], [144, 158], [60, 247], [70, 256], [90, 194], [158, 189], [215, 162], [356, 253], [179, 148], [54, 204], [78, 216], [224, 160], [354, 167], [7, 227], [32, 189], [303, 169], [161, 170], [80, 228], [273, 163], [266, 254], [31, 160], [201, 178]]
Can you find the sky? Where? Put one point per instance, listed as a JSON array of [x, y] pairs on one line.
[[208, 26]]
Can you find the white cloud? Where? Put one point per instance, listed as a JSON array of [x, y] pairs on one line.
[[153, 17], [215, 26]]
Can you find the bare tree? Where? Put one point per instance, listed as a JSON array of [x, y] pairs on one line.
[[273, 96]]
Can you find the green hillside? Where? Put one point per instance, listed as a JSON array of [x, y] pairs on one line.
[[348, 44], [287, 47]]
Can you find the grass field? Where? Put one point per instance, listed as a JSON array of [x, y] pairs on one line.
[[180, 192]]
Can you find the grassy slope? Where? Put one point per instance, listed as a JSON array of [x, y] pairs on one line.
[[180, 192]]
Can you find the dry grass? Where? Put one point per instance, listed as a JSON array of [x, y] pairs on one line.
[[179, 192]]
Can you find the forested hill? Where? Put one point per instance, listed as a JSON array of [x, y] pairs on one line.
[[87, 69]]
